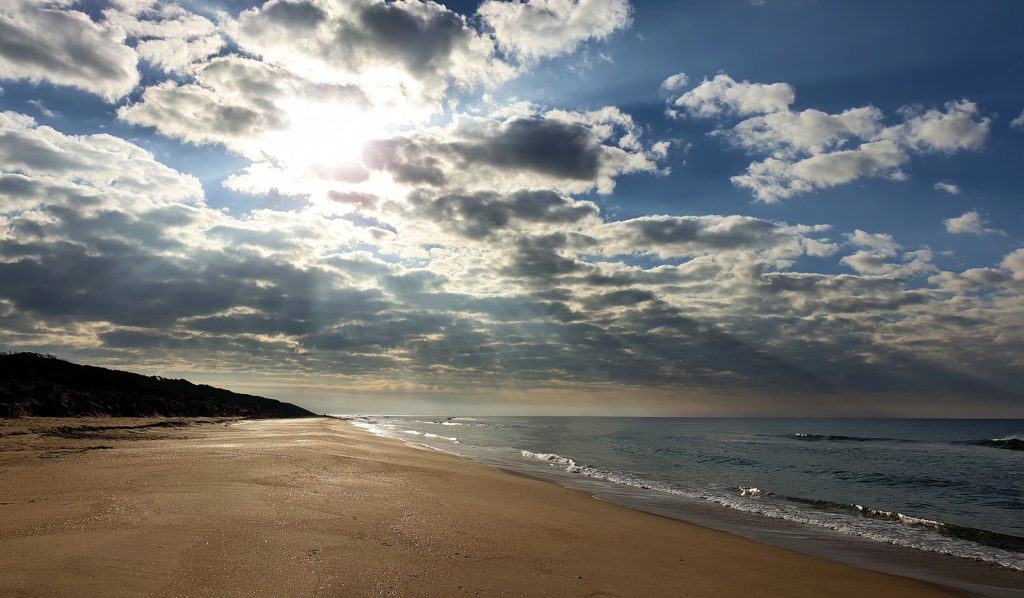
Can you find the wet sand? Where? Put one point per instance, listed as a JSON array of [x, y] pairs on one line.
[[316, 507]]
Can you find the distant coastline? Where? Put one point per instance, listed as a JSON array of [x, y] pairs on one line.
[[32, 384]]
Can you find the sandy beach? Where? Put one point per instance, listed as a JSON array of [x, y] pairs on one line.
[[309, 507]]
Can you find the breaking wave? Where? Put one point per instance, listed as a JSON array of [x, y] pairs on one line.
[[883, 526], [1010, 443], [837, 438], [429, 435]]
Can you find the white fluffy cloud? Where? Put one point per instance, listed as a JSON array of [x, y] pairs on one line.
[[675, 82], [1014, 262], [241, 103], [64, 47], [880, 243], [724, 95], [534, 29], [774, 179], [947, 187], [811, 149], [880, 255], [403, 53], [36, 157], [787, 133], [969, 223], [165, 34], [959, 127]]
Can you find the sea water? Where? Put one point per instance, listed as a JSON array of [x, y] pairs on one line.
[[954, 487]]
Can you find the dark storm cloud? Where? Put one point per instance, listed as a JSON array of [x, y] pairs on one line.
[[875, 304], [693, 235], [626, 278], [541, 257], [568, 152], [407, 160], [520, 307], [226, 302], [363, 337], [415, 38], [417, 41], [626, 297], [751, 233], [113, 281], [18, 186], [479, 215], [297, 16], [818, 283], [561, 149]]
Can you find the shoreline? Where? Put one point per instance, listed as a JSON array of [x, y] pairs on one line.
[[319, 507], [976, 577]]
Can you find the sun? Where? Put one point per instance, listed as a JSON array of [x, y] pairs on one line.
[[322, 136]]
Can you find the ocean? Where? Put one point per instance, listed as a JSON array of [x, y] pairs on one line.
[[952, 487]]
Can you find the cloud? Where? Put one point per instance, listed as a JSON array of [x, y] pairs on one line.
[[947, 187], [39, 106], [534, 29], [880, 255], [268, 114], [880, 243], [971, 280], [529, 288], [403, 52], [774, 179], [165, 34], [723, 95], [43, 159], [483, 214], [958, 128], [912, 264], [232, 101], [675, 82], [568, 151], [787, 133], [460, 252], [1014, 262], [678, 236], [969, 223], [64, 47], [1018, 122], [810, 149]]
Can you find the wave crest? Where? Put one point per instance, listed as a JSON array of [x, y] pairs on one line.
[[1010, 443]]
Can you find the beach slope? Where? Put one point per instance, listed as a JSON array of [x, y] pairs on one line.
[[316, 507]]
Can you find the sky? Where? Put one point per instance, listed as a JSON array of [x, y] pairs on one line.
[[746, 207]]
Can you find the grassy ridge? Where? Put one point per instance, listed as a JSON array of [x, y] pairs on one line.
[[44, 386]]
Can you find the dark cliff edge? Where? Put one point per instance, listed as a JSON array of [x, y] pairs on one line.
[[44, 386]]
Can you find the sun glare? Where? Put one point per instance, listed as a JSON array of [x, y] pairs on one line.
[[323, 135]]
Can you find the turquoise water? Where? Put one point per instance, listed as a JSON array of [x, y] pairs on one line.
[[949, 486]]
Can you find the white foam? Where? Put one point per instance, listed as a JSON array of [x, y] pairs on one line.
[[429, 435], [372, 427], [550, 457], [921, 534]]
